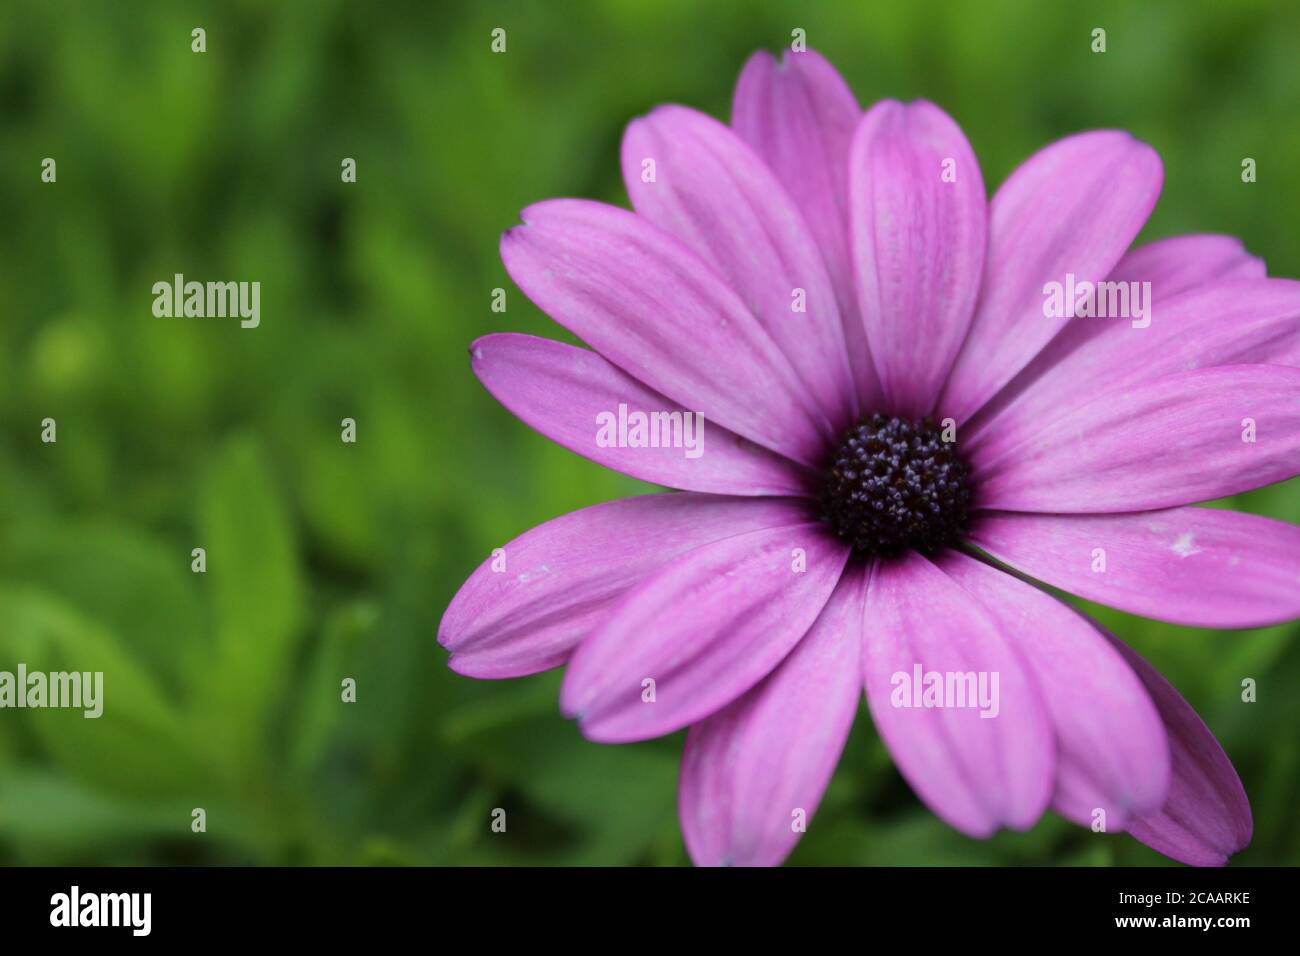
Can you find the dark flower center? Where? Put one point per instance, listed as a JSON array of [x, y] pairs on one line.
[[894, 485]]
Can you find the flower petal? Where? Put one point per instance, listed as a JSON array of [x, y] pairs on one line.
[[566, 393], [1180, 263], [1238, 322], [1071, 208], [1175, 440], [705, 629], [1172, 266], [1197, 566], [652, 307], [1206, 818], [917, 238], [524, 609], [760, 765], [1112, 753], [711, 191], [978, 773], [799, 116]]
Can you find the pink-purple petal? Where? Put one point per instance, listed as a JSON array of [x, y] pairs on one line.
[[1206, 818], [1175, 440], [528, 605], [1073, 208], [799, 116], [917, 238], [695, 178], [1180, 263], [978, 773], [647, 303], [754, 773], [1172, 266], [576, 398], [1197, 566], [1112, 753], [704, 629], [1236, 322]]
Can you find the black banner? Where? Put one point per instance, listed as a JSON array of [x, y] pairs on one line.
[[338, 905]]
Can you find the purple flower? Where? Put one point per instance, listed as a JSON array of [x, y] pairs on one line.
[[893, 381]]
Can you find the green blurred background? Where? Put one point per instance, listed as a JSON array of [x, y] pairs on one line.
[[328, 560]]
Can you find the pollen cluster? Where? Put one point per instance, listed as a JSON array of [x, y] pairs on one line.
[[895, 485]]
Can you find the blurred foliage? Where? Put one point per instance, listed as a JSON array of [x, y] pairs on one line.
[[328, 560]]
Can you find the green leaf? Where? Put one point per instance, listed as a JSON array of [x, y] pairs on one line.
[[40, 807], [321, 706], [254, 582], [126, 581], [139, 743]]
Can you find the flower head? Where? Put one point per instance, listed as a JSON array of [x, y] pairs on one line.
[[898, 390]]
